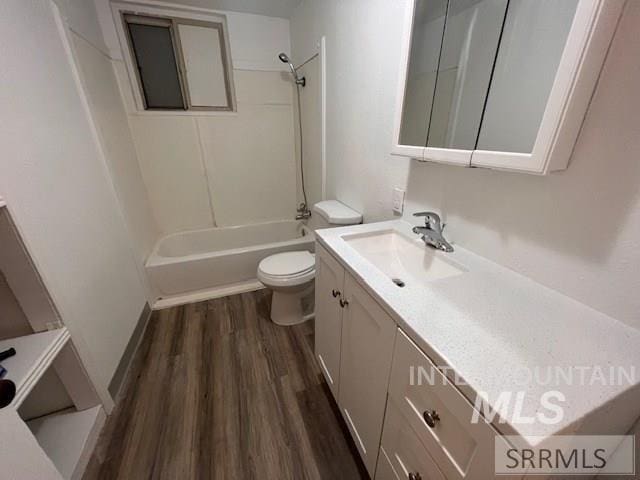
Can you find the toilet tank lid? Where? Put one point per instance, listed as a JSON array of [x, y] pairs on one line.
[[337, 213]]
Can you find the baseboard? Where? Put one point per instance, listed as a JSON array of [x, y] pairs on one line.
[[129, 351], [208, 294]]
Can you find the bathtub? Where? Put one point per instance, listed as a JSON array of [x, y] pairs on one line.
[[220, 257]]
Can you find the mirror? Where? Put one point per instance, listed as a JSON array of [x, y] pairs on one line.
[[469, 62], [533, 40], [426, 40], [453, 47]]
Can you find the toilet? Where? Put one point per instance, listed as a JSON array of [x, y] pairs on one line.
[[290, 275]]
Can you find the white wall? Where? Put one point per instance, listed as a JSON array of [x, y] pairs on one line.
[[363, 50], [205, 170], [577, 231], [59, 190], [253, 33], [13, 321]]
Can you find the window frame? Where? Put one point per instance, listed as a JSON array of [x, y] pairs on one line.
[[156, 16]]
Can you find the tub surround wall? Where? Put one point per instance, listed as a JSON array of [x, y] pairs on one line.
[[205, 170], [310, 99], [109, 116], [575, 231]]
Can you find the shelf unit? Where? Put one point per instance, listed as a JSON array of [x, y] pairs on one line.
[[80, 429], [67, 438], [58, 443], [34, 356]]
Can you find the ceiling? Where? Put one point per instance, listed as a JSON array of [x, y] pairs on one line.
[[270, 8]]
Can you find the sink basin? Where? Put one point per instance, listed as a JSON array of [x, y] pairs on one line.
[[401, 259]]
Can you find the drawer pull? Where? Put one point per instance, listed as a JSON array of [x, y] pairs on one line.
[[335, 293], [344, 303], [431, 418], [415, 476]]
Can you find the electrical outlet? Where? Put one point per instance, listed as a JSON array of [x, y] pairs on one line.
[[398, 200]]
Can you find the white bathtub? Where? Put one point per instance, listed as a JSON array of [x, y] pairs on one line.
[[218, 257]]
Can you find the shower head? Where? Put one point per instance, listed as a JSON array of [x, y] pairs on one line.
[[284, 58]]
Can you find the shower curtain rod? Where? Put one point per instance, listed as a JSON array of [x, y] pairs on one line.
[[307, 60]]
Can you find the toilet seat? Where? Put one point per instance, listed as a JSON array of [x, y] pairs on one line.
[[288, 268]]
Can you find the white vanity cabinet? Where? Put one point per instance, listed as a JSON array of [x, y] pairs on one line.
[[367, 362], [328, 327], [438, 362], [439, 415], [354, 346]]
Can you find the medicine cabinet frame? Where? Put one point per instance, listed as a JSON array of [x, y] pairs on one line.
[[582, 60]]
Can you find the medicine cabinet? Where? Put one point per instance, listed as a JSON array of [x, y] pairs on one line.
[[499, 83]]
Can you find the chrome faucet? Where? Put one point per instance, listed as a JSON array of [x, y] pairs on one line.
[[431, 233], [303, 212]]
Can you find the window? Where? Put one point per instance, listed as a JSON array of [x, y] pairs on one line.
[[180, 64]]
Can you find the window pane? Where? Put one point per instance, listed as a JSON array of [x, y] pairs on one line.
[[153, 50], [202, 52]]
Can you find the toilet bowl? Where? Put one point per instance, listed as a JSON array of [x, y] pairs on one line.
[[290, 275]]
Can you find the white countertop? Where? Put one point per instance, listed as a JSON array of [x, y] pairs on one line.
[[491, 325]]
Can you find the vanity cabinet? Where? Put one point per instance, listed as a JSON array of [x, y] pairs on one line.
[[402, 455], [501, 84], [439, 415], [367, 362], [368, 335], [354, 345], [328, 326]]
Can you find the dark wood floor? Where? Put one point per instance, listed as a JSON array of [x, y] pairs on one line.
[[217, 391]]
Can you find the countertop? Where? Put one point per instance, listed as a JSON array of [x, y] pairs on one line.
[[491, 326]]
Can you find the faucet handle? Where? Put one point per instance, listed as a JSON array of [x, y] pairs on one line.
[[431, 220]]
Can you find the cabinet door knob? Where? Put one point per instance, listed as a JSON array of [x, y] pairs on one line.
[[344, 303], [335, 293], [431, 418], [415, 476]]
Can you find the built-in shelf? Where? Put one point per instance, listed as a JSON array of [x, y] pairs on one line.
[[68, 438], [41, 438], [34, 355]]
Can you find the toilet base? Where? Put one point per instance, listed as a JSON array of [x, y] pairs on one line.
[[286, 307]]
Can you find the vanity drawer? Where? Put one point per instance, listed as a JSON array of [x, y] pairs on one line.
[[462, 450], [404, 452]]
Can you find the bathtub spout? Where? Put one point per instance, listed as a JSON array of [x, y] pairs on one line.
[[303, 212]]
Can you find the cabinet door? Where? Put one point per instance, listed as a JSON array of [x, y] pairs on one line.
[[328, 323], [368, 335], [553, 53], [384, 470]]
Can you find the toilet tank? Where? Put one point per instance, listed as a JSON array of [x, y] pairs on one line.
[[332, 213]]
